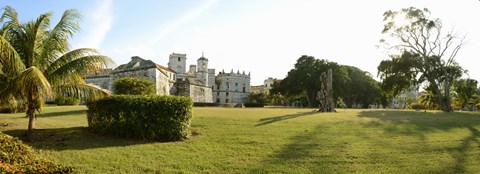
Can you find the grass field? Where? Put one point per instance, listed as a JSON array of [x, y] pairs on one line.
[[269, 140]]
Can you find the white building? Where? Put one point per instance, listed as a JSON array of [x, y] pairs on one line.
[[265, 88], [199, 83], [162, 77], [231, 87]]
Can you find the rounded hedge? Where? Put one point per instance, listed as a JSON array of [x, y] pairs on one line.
[[152, 117], [133, 86]]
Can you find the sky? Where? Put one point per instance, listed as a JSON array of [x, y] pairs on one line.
[[263, 37]]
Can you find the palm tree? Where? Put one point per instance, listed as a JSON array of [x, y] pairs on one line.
[[36, 62]]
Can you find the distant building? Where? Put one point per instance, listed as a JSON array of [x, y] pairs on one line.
[[162, 77], [231, 87], [402, 100], [199, 83], [266, 87], [194, 83]]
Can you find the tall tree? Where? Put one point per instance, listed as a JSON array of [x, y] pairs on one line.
[[36, 62], [351, 84], [304, 79], [426, 54], [464, 88]]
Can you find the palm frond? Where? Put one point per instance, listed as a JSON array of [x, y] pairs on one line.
[[10, 61], [80, 66], [33, 79], [68, 57], [56, 41], [81, 90], [11, 16]]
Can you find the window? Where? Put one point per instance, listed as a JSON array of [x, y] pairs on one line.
[[228, 86], [236, 87], [226, 94], [244, 89], [226, 100], [179, 59]]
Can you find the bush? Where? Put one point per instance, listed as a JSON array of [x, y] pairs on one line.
[[67, 101], [16, 157], [133, 86], [164, 118], [12, 106], [254, 105]]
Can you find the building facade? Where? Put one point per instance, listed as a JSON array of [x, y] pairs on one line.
[[231, 87], [162, 77], [199, 83], [265, 88]]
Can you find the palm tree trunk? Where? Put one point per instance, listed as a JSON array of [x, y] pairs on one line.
[[31, 121]]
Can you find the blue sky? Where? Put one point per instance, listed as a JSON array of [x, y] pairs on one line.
[[264, 37]]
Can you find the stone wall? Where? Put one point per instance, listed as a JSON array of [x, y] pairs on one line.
[[198, 93], [233, 88], [101, 79]]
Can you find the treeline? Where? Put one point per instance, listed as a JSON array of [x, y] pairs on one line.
[[352, 87]]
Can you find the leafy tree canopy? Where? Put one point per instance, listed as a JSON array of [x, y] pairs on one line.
[[424, 54]]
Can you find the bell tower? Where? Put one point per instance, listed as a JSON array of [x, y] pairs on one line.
[[202, 70], [178, 63]]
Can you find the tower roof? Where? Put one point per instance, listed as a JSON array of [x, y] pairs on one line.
[[202, 58]]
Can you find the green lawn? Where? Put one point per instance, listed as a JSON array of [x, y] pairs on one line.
[[270, 140]]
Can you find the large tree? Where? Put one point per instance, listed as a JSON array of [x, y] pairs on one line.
[[36, 62], [424, 54], [351, 84], [304, 79]]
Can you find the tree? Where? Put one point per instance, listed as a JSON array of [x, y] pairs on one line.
[[361, 88], [426, 54], [133, 86], [304, 79], [36, 62], [465, 88], [353, 85]]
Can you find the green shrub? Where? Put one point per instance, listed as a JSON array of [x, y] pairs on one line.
[[163, 118], [12, 106], [16, 157], [133, 86], [254, 105], [67, 101]]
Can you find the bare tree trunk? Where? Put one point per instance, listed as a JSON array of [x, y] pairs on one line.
[[325, 95]]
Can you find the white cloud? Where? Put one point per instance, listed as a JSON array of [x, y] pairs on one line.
[[97, 24]]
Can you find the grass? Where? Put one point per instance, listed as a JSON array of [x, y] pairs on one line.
[[269, 140]]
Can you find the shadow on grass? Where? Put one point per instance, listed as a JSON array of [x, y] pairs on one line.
[[352, 147], [270, 120], [63, 113], [307, 153], [74, 138], [428, 122]]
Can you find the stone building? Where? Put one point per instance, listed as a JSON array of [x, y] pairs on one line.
[[163, 77], [199, 83], [265, 88], [194, 83], [231, 87]]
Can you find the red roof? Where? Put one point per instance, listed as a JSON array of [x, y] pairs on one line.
[[165, 68]]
